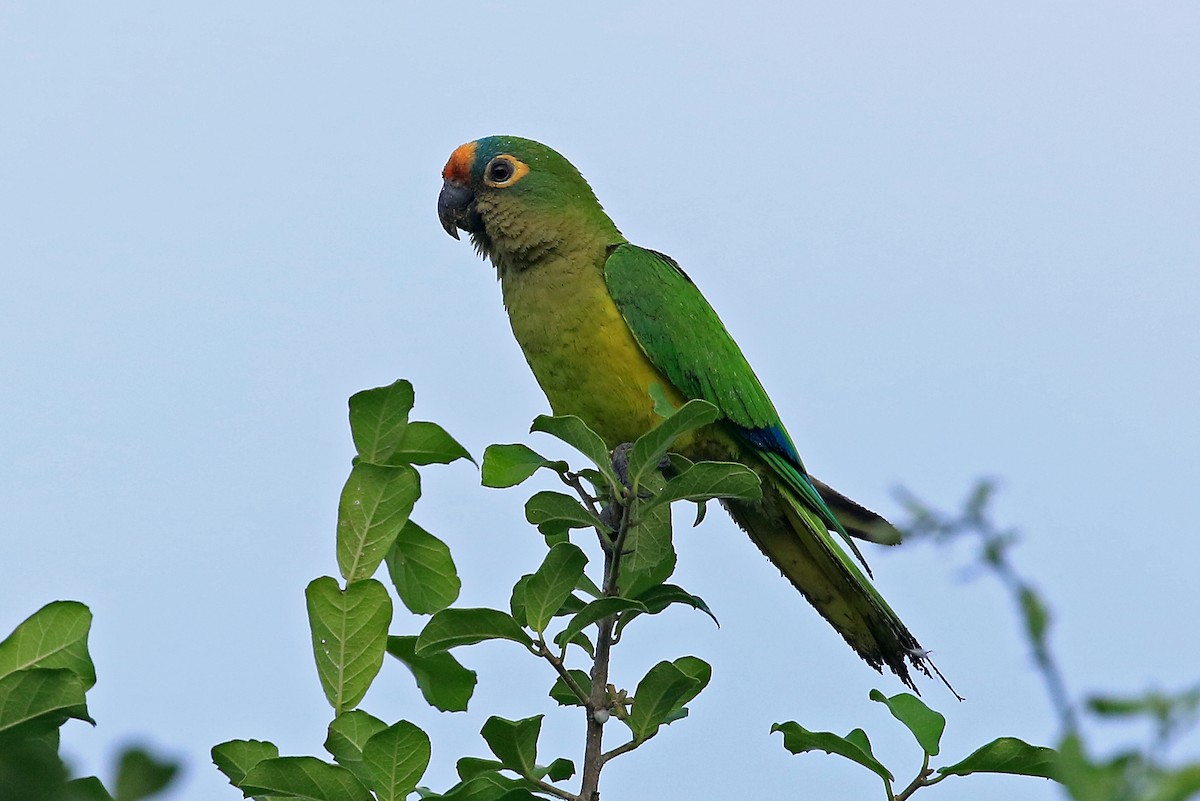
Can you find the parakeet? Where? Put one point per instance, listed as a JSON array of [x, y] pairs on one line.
[[601, 320]]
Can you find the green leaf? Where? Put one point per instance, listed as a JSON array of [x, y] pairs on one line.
[[577, 638], [397, 758], [36, 699], [659, 597], [595, 611], [140, 774], [235, 758], [696, 668], [378, 418], [348, 735], [663, 406], [563, 694], [573, 431], [516, 601], [599, 484], [859, 737], [588, 586], [1178, 785], [1007, 755], [663, 690], [559, 770], [482, 781], [799, 740], [444, 682], [1164, 708], [470, 767], [490, 787], [678, 714], [520, 794], [649, 557], [349, 634], [1088, 780], [555, 532], [55, 636], [1109, 706], [451, 628], [652, 446], [427, 443], [679, 463], [705, 480], [977, 503], [509, 465], [30, 767], [699, 670], [570, 606], [925, 724], [514, 742], [303, 777], [551, 585], [1035, 613], [422, 570], [374, 507], [88, 788], [547, 506]]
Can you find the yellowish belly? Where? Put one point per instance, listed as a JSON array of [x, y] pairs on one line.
[[581, 351]]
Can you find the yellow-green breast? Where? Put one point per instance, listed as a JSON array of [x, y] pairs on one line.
[[580, 349]]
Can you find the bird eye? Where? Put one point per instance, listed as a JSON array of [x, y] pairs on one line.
[[500, 170]]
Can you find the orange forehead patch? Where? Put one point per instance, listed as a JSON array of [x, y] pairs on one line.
[[458, 168]]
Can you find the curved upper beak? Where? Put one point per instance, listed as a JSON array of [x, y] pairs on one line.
[[454, 207]]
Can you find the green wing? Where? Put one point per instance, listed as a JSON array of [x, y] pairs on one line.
[[682, 335]]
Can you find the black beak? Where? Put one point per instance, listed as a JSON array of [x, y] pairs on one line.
[[455, 208]]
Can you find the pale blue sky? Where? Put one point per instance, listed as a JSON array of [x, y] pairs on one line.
[[953, 240]]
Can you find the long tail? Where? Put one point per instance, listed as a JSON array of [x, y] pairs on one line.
[[859, 521], [794, 537]]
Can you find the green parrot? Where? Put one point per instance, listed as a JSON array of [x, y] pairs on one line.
[[601, 321]]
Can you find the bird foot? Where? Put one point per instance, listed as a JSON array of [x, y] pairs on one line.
[[620, 463]]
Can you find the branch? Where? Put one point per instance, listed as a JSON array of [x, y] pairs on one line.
[[594, 757], [994, 556], [612, 567]]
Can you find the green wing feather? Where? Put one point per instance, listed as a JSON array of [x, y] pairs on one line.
[[658, 302]]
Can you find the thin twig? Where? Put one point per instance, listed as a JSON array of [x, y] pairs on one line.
[[618, 547], [994, 556], [546, 787], [545, 652], [621, 749], [572, 480], [916, 783]]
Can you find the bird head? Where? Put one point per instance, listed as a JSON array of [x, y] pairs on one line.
[[518, 199]]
